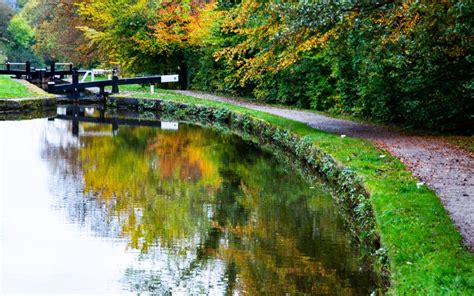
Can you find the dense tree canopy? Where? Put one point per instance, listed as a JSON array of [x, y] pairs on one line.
[[6, 14], [407, 62]]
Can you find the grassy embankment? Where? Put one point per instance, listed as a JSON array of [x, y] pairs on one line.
[[425, 253], [10, 89], [14, 89]]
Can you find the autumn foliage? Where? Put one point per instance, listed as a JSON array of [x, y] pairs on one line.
[[406, 62]]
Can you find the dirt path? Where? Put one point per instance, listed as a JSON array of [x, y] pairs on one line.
[[445, 168]]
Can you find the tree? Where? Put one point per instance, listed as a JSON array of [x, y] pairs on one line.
[[6, 13], [22, 34], [406, 62], [379, 59], [142, 36], [59, 39]]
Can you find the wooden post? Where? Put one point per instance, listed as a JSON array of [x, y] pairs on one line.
[[115, 127], [51, 86], [75, 84], [115, 88], [183, 74], [75, 125], [8, 66], [53, 70], [40, 76], [102, 90], [28, 70]]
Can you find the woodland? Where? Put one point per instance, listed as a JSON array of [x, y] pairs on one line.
[[403, 62]]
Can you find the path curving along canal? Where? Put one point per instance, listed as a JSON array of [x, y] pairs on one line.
[[445, 168]]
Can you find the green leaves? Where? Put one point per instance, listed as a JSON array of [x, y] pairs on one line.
[[21, 32], [404, 62]]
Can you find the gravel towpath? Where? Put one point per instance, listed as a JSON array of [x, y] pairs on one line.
[[445, 168]]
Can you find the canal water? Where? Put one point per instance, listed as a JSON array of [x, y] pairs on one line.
[[101, 208]]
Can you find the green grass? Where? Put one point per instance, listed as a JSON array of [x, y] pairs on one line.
[[131, 88], [10, 89], [425, 253], [461, 141], [135, 88], [96, 78]]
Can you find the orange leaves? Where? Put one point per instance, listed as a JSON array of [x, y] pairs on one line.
[[136, 33], [170, 24], [400, 22], [182, 24], [315, 41], [182, 157], [268, 41], [201, 23]]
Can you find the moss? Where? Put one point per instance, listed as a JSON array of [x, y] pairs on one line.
[[27, 105], [31, 114]]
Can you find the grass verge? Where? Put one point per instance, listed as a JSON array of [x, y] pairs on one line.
[[424, 248], [462, 141], [10, 88]]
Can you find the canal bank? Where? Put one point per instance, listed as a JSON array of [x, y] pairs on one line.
[[19, 96], [402, 222], [422, 247]]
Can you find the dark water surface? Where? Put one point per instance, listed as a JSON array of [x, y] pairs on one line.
[[159, 211]]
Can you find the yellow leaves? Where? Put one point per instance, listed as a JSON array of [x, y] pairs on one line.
[[95, 13], [170, 25], [91, 33], [185, 24], [316, 41], [233, 52], [167, 173], [267, 42], [201, 23]]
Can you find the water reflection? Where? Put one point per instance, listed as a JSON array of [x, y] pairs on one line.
[[203, 212]]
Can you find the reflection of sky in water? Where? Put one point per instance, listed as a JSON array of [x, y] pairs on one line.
[[42, 253], [64, 240]]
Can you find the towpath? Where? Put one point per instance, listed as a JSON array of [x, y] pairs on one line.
[[445, 168]]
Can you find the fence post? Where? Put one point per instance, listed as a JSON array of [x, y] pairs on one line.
[[75, 84], [51, 86], [28, 70], [115, 88], [102, 90], [8, 66], [41, 74], [53, 70]]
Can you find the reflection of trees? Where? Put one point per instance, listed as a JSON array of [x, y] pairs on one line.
[[145, 174], [203, 203]]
